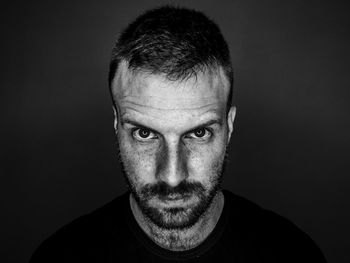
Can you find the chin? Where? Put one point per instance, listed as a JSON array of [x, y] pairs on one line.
[[173, 218]]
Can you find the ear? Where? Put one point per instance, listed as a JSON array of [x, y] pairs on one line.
[[115, 119], [230, 119]]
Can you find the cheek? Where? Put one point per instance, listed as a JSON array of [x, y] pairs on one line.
[[139, 163], [205, 162]]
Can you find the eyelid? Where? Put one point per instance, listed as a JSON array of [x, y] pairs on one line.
[[207, 129], [207, 126], [134, 127], [139, 138]]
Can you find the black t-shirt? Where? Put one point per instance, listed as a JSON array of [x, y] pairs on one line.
[[244, 233]]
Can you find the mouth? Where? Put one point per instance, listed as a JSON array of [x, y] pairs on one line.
[[174, 197], [173, 201]]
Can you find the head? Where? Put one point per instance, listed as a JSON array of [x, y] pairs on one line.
[[171, 83]]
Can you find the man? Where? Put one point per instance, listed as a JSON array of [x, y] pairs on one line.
[[171, 84]]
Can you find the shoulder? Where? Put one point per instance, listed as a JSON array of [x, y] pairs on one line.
[[84, 236], [273, 236]]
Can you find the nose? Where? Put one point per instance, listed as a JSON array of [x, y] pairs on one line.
[[172, 163]]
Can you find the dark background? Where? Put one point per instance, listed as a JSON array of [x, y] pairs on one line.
[[290, 146]]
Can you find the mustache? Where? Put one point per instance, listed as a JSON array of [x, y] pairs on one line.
[[162, 189]]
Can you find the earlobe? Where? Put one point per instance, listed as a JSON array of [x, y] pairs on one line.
[[230, 120]]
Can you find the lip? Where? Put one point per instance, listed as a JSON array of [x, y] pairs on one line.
[[174, 198], [172, 202]]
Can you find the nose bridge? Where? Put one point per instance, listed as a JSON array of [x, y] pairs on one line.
[[172, 167]]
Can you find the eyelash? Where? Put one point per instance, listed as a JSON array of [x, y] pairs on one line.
[[208, 133], [134, 132]]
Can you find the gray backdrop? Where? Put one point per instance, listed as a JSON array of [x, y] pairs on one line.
[[290, 145]]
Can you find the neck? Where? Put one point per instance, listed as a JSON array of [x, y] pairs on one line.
[[181, 239]]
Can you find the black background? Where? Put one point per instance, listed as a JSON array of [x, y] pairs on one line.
[[290, 147]]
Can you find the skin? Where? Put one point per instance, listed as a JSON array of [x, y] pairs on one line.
[[171, 133]]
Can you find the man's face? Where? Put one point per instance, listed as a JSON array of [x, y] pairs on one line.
[[172, 138]]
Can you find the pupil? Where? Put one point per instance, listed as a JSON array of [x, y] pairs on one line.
[[200, 133], [144, 133]]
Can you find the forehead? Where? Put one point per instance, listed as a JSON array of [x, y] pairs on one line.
[[156, 91]]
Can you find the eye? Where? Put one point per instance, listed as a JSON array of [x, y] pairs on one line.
[[143, 134], [200, 133]]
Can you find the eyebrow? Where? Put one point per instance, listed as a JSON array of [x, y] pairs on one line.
[[208, 123], [126, 120]]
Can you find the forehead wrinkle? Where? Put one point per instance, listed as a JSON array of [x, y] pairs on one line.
[[126, 81], [125, 104], [145, 116], [140, 113]]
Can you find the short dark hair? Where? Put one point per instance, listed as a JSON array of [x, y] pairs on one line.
[[177, 42]]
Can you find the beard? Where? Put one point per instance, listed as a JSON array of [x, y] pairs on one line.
[[174, 208], [191, 197]]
